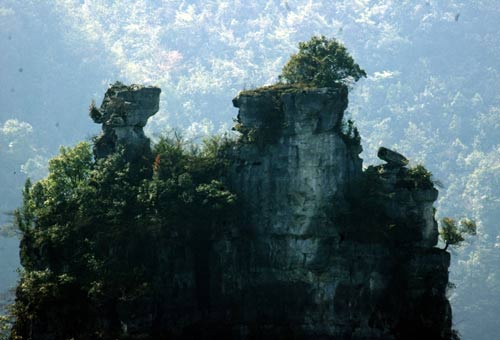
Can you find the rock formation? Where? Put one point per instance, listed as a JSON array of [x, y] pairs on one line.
[[123, 114], [318, 248], [325, 250], [392, 157]]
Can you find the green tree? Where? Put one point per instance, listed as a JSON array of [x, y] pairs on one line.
[[453, 234], [98, 233], [321, 62]]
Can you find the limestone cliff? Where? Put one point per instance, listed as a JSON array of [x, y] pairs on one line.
[[123, 114], [316, 247], [325, 250]]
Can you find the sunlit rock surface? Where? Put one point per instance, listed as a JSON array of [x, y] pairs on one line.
[[323, 250]]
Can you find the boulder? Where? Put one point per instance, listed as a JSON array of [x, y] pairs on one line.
[[392, 157], [124, 112]]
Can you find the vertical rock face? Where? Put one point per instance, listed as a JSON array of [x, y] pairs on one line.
[[292, 172], [320, 248], [123, 114], [324, 250]]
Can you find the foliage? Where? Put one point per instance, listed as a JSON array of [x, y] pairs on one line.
[[321, 62], [6, 322], [452, 234], [96, 233], [447, 91], [350, 133], [420, 176], [279, 87]]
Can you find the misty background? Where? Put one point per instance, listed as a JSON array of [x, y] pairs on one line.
[[432, 93]]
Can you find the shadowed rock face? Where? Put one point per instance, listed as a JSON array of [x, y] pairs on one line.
[[123, 114], [392, 158], [320, 250], [325, 250]]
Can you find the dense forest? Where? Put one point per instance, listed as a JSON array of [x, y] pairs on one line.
[[431, 93], [94, 233]]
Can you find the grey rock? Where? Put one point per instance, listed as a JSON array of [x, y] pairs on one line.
[[299, 257], [321, 248], [314, 254], [392, 157], [123, 113]]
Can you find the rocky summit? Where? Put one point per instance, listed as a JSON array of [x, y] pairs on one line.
[[280, 235], [123, 114], [325, 250], [392, 157]]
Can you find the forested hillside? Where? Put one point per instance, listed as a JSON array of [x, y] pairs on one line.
[[432, 93]]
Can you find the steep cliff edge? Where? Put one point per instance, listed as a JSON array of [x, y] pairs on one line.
[[312, 248], [333, 251]]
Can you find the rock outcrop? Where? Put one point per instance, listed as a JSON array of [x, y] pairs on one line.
[[325, 250], [392, 158], [123, 114], [317, 247]]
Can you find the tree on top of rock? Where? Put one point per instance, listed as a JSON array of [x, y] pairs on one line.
[[453, 235], [321, 62]]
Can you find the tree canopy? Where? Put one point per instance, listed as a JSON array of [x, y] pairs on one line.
[[85, 226], [453, 234], [321, 62]]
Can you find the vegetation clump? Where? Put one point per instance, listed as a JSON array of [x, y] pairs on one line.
[[321, 62], [420, 177], [95, 235], [453, 233], [278, 87]]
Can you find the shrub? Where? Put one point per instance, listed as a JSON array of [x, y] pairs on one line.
[[421, 177]]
